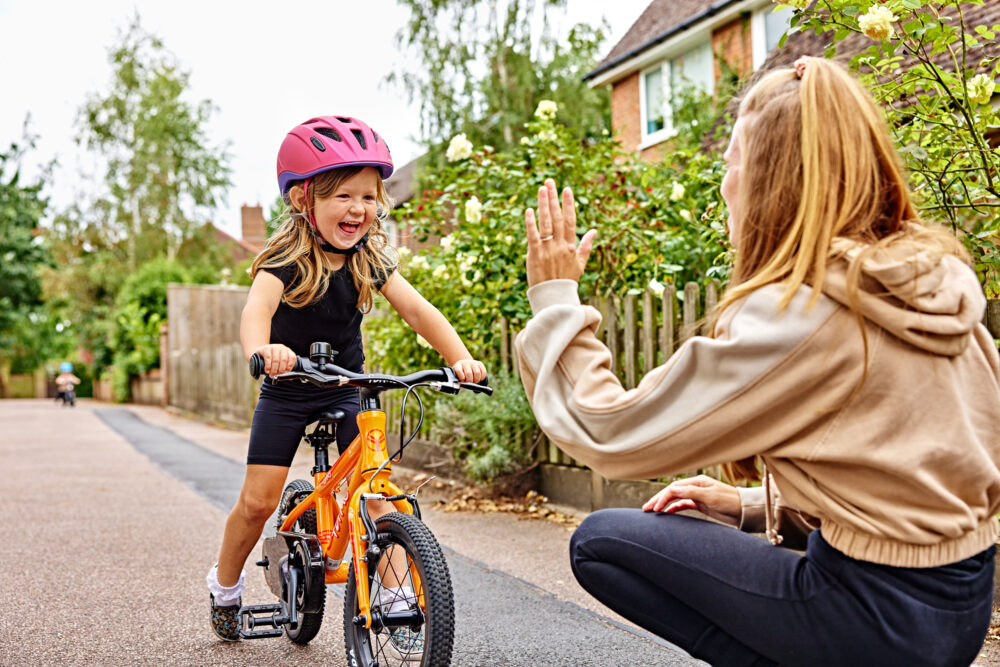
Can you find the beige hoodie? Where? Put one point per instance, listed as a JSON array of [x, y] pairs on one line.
[[905, 473]]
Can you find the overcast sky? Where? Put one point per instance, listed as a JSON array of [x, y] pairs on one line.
[[265, 67]]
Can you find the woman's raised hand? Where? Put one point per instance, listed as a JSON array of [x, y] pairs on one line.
[[552, 249], [707, 495]]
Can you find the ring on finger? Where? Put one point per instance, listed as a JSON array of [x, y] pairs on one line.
[[546, 238]]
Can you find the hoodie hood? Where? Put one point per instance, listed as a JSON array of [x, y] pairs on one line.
[[928, 298]]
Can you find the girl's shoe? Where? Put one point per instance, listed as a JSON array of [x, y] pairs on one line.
[[225, 621], [406, 644]]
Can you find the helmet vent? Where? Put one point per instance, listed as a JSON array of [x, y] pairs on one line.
[[360, 137], [329, 133], [375, 134], [344, 119], [318, 144]]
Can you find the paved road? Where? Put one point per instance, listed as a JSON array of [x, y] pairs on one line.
[[113, 515]]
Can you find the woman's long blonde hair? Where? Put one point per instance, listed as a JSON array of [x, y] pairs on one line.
[[817, 163], [296, 242]]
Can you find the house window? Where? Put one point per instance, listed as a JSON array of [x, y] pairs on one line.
[[766, 29], [658, 86]]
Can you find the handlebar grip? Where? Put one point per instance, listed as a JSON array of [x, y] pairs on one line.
[[256, 365]]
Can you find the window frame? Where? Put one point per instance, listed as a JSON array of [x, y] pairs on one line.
[[758, 35], [664, 65]]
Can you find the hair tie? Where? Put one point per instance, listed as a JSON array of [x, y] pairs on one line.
[[800, 66]]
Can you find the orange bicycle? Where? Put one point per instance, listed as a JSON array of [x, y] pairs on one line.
[[398, 602]]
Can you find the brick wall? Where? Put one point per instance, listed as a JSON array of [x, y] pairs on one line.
[[625, 117], [732, 44]]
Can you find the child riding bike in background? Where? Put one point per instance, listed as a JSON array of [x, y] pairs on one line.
[[65, 382], [313, 281]]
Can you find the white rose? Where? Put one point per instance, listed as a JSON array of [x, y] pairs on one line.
[[419, 262], [546, 109], [404, 253], [473, 210], [447, 242], [980, 89], [440, 270], [877, 23], [676, 192], [655, 287], [459, 148]]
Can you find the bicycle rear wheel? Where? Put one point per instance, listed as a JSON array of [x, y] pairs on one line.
[[309, 623], [409, 558]]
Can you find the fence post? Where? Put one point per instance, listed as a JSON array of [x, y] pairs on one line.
[[514, 369], [992, 319], [630, 341], [611, 316], [691, 298], [504, 344], [648, 333], [667, 330]]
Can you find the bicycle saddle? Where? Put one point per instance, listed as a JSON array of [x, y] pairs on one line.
[[332, 416]]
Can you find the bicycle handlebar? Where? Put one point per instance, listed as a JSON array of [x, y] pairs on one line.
[[331, 375]]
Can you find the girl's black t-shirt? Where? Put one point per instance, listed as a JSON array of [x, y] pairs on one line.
[[334, 318]]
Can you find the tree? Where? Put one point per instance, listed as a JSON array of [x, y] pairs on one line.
[[163, 176], [22, 254], [482, 68]]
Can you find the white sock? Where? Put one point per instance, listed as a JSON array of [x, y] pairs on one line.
[[396, 599], [225, 596]]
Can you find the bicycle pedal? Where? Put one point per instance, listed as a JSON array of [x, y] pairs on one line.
[[270, 617]]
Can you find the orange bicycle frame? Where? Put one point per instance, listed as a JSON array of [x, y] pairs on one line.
[[358, 464]]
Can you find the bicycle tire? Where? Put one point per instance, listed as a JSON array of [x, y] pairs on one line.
[[309, 623], [423, 554]]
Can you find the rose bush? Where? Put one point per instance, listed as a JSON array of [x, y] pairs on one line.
[[933, 67]]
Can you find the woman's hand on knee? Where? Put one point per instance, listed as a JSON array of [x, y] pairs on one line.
[[707, 495]]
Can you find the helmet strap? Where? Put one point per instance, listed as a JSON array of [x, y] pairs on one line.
[[329, 247]]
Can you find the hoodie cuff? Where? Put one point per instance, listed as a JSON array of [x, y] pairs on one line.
[[561, 291], [754, 509]]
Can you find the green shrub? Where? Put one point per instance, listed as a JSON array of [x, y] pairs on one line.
[[492, 436]]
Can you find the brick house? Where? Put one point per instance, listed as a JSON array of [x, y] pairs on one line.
[[676, 41], [253, 236], [681, 42]]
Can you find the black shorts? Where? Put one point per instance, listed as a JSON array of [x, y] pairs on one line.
[[283, 411]]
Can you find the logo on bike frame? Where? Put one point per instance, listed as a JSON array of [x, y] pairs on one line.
[[376, 440]]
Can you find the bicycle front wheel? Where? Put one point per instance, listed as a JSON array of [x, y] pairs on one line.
[[410, 576]]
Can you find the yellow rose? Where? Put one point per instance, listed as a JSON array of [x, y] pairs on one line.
[[459, 148], [980, 89], [877, 23]]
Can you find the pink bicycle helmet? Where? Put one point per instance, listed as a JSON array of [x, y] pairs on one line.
[[329, 142]]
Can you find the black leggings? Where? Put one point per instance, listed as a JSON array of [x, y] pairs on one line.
[[282, 414], [730, 598]]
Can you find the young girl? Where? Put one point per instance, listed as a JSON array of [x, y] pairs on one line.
[[849, 358], [312, 282]]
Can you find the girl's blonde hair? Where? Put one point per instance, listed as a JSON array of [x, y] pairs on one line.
[[817, 163], [296, 242]]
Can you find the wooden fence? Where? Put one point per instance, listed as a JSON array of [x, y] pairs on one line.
[[641, 330], [205, 371]]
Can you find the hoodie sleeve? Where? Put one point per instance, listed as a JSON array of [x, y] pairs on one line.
[[714, 400]]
